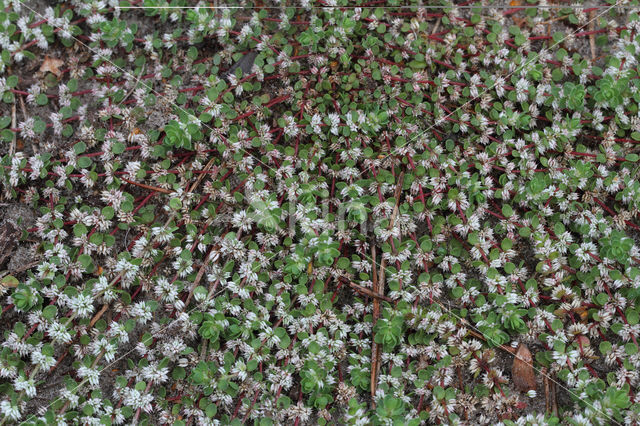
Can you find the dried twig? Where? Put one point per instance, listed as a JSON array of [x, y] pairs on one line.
[[203, 174], [435, 28], [99, 314], [554, 399], [207, 259], [142, 185], [376, 305], [12, 148], [592, 36], [392, 221], [368, 292], [557, 18], [23, 108], [375, 348], [378, 288], [547, 392]]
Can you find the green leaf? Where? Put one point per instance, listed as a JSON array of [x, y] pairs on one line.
[[605, 347], [118, 148], [507, 211], [85, 260], [50, 312], [631, 348], [457, 292], [12, 81], [108, 212], [42, 99], [79, 148], [175, 203]]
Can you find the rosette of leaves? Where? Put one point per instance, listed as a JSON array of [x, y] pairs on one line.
[[266, 214], [325, 250], [391, 410], [313, 380], [616, 247], [388, 330], [610, 91]]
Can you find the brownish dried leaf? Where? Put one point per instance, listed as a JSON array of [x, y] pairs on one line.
[[9, 282], [583, 341], [522, 372], [51, 65]]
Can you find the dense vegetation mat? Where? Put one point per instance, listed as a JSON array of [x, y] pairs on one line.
[[313, 212]]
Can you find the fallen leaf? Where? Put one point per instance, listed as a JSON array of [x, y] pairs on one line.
[[9, 282], [582, 312], [51, 65], [514, 3], [583, 341], [520, 22], [522, 372]]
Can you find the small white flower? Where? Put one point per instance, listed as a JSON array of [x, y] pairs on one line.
[[21, 383], [82, 305], [91, 374], [10, 411]]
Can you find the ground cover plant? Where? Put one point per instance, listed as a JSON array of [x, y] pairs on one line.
[[313, 212]]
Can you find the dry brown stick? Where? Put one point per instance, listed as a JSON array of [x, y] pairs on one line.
[[547, 390], [369, 292], [198, 277], [376, 315], [202, 175], [23, 108], [203, 351], [12, 148], [135, 85], [436, 27], [207, 258], [392, 221], [592, 36], [554, 400], [142, 185], [376, 305], [376, 350], [557, 18], [98, 315]]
